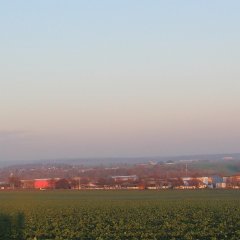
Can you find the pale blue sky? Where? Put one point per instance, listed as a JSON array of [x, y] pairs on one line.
[[118, 78]]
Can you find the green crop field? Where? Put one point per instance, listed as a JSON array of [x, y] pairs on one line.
[[198, 214]]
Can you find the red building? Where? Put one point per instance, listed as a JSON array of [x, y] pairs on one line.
[[44, 183]]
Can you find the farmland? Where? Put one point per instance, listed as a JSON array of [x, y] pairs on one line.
[[199, 214]]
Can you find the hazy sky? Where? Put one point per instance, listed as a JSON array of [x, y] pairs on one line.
[[118, 78]]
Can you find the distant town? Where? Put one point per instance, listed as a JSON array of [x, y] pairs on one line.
[[180, 174]]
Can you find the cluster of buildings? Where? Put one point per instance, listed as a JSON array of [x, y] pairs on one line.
[[125, 182]]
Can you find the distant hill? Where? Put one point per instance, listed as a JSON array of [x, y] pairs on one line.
[[227, 167], [135, 160], [113, 161]]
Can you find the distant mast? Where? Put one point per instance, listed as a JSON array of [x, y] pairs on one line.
[[186, 170]]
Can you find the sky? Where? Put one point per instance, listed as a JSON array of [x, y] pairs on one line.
[[118, 78]]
